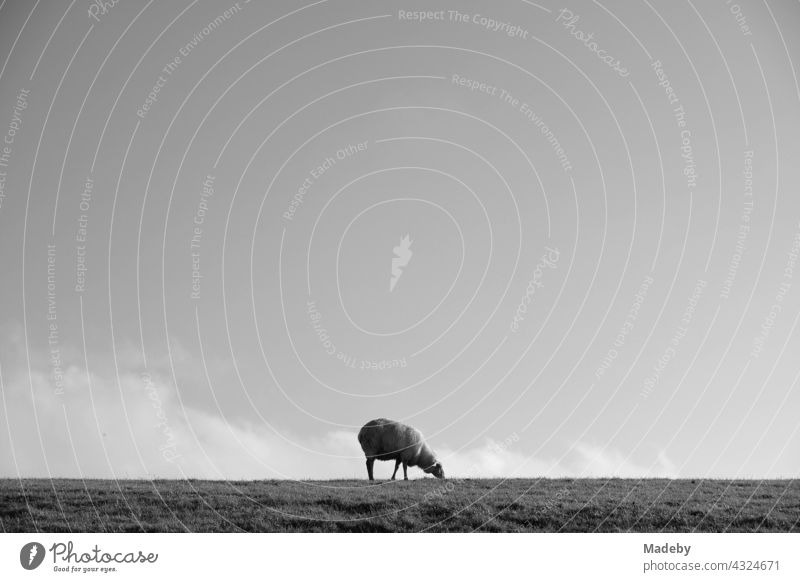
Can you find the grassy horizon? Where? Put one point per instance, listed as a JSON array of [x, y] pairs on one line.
[[423, 504]]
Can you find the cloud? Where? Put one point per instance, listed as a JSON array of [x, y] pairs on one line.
[[503, 459], [138, 428], [596, 461], [135, 426]]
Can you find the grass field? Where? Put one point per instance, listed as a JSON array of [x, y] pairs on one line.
[[453, 505]]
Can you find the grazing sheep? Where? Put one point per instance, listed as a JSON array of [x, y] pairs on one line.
[[388, 440]]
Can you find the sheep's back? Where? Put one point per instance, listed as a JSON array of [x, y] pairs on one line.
[[387, 439]]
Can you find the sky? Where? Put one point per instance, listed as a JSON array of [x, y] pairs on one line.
[[560, 240]]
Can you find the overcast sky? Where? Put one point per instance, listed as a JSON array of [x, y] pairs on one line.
[[557, 239]]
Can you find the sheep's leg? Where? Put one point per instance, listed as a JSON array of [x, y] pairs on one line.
[[405, 471], [396, 466], [370, 463]]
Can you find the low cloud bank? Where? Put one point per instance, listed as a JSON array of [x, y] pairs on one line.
[[135, 427]]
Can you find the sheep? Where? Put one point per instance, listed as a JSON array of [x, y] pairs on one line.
[[389, 440]]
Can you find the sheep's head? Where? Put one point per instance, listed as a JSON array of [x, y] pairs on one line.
[[437, 470]]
